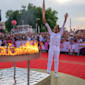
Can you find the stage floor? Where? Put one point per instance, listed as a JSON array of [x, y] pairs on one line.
[[6, 77], [36, 76]]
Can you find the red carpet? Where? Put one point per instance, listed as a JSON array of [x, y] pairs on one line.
[[73, 65]]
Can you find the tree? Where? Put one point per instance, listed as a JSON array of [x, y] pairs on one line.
[[51, 17], [12, 15], [31, 15]]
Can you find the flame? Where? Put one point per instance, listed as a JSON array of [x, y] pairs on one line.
[[27, 48]]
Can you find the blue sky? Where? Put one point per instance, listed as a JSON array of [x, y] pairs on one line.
[[75, 8]]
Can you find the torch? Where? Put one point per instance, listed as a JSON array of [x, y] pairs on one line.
[[43, 10]]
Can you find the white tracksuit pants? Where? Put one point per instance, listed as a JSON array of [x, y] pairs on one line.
[[53, 52]]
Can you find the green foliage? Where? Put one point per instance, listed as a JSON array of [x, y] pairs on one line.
[[11, 15], [31, 15], [51, 17]]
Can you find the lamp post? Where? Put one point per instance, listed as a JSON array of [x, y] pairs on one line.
[[37, 25], [14, 22], [0, 24], [0, 15]]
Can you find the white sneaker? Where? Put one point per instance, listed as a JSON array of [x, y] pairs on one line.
[[48, 72], [56, 75]]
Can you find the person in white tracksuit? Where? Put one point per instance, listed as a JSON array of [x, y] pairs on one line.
[[54, 49]]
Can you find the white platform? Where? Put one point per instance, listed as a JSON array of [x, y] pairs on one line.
[[6, 76]]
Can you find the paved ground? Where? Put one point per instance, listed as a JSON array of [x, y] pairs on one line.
[[65, 79]]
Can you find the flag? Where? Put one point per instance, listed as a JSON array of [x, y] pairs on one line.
[[43, 11], [70, 26]]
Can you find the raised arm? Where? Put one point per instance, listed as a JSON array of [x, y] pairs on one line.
[[43, 17], [47, 25], [62, 29]]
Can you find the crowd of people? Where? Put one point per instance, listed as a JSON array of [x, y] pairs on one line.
[[71, 43]]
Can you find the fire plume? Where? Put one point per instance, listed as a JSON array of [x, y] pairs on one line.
[[27, 48]]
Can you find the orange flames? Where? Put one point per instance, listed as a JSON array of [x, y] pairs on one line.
[[28, 48]]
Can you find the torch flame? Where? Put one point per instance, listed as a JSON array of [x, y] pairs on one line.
[[29, 48]]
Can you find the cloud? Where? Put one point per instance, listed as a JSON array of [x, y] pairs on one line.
[[67, 2], [78, 22], [80, 19], [78, 2], [62, 1], [75, 8]]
